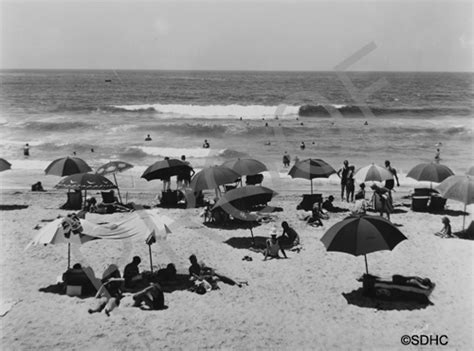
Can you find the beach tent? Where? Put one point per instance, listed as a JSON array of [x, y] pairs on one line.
[[4, 165]]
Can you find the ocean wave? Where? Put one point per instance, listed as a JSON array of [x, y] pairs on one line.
[[55, 126], [230, 153], [356, 110], [214, 111]]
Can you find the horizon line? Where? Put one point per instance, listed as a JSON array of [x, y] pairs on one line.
[[228, 70]]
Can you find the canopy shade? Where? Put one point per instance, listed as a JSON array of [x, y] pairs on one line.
[[66, 166]]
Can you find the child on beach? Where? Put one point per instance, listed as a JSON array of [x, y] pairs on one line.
[[446, 231], [273, 247]]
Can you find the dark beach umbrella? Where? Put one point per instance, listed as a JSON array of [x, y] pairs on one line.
[[245, 166], [85, 181], [4, 165], [362, 235], [459, 188], [310, 169], [165, 169], [114, 167], [66, 166], [430, 172], [212, 177], [245, 198]]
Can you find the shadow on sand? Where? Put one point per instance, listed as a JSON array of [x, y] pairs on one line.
[[60, 289], [257, 242], [357, 298], [12, 207]]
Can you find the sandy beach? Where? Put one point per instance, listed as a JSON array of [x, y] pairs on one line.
[[309, 301]]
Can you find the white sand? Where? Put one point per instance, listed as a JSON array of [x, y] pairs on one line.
[[297, 303]]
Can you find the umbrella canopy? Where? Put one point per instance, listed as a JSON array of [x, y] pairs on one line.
[[310, 169], [245, 166], [113, 167], [4, 165], [212, 177], [165, 169], [373, 173], [362, 235], [69, 230], [430, 172], [85, 181], [66, 166], [459, 188], [245, 198], [470, 171]]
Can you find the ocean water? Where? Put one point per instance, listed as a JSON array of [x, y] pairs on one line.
[[363, 117]]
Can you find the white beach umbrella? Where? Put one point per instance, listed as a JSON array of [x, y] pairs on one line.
[[372, 173]]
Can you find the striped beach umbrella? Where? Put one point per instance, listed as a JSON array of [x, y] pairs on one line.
[[114, 167], [430, 172], [66, 166], [372, 173], [311, 168]]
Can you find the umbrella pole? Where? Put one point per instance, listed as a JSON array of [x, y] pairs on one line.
[[464, 218], [253, 238], [151, 263], [85, 199], [68, 255], [311, 186], [118, 189], [366, 266]]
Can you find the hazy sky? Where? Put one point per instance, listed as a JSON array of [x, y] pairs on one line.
[[251, 35]]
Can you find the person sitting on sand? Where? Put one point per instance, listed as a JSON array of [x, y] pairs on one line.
[[91, 205], [152, 296], [328, 205], [360, 206], [132, 275], [289, 235], [37, 187], [446, 232], [383, 194], [199, 272], [167, 274], [316, 216], [361, 193], [273, 247], [195, 268]]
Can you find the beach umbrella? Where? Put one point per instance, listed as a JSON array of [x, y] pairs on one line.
[[66, 166], [470, 171], [373, 173], [459, 188], [245, 198], [68, 230], [212, 177], [360, 235], [430, 172], [165, 169], [311, 168], [245, 166], [4, 165], [85, 181], [114, 167]]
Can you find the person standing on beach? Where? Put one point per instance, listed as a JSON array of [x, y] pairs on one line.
[[437, 157], [286, 160], [350, 184], [390, 183], [26, 150], [343, 173]]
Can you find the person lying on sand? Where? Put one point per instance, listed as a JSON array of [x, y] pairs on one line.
[[446, 232], [108, 296], [152, 297], [328, 205]]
